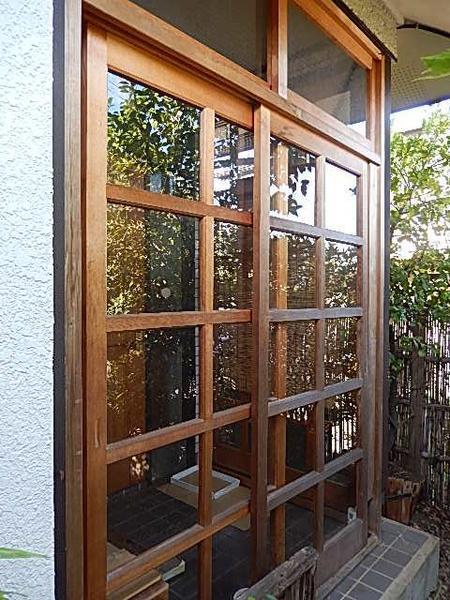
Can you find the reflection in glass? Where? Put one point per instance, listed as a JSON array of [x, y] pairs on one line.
[[320, 71], [232, 365], [231, 465], [152, 379], [292, 358], [152, 261], [340, 501], [233, 268], [236, 29], [341, 274], [161, 503], [292, 182], [233, 166], [153, 140], [300, 440], [341, 189], [297, 427], [292, 270], [341, 358], [341, 424]]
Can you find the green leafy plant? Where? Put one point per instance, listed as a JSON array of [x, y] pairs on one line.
[[420, 212], [436, 65]]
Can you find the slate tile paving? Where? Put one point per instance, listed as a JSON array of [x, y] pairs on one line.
[[145, 516], [375, 573]]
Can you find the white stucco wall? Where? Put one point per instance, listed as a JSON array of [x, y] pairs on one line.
[[26, 294]]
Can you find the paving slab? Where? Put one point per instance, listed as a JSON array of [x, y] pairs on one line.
[[403, 565]]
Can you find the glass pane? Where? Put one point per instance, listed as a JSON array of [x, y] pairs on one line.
[[159, 502], [152, 380], [341, 359], [231, 467], [231, 562], [153, 140], [340, 501], [153, 261], [292, 182], [341, 275], [299, 521], [233, 166], [233, 268], [341, 189], [323, 73], [292, 270], [233, 28], [232, 365], [292, 358], [297, 427], [341, 424], [181, 574]]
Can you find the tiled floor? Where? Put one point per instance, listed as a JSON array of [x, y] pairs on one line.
[[144, 516], [372, 577]]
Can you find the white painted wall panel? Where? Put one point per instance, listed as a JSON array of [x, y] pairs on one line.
[[26, 295]]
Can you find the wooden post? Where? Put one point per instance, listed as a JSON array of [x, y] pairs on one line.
[[95, 302], [260, 338], [206, 349], [319, 412], [280, 257]]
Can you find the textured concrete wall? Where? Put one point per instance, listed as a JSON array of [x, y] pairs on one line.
[[26, 295], [378, 18]]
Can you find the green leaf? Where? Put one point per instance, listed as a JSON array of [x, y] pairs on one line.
[[437, 65], [10, 553]]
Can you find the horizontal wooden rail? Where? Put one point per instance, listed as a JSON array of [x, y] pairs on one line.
[[175, 545], [293, 488], [136, 322], [129, 20], [279, 315], [147, 442], [164, 202], [306, 482], [278, 406], [287, 225], [342, 462]]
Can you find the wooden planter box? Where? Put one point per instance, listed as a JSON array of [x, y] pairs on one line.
[[401, 499]]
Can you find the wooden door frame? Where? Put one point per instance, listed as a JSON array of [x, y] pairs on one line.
[[297, 109]]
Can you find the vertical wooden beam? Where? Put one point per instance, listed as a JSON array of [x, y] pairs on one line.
[[277, 47], [371, 103], [95, 310], [280, 255], [377, 291], [73, 321], [364, 397], [319, 413], [260, 339], [207, 130]]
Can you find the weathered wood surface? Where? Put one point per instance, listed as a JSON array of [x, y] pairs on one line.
[[292, 580]]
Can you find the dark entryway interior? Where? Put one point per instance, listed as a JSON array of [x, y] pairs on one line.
[[141, 517]]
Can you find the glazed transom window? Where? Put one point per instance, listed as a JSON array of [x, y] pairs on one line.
[[235, 29], [320, 71]]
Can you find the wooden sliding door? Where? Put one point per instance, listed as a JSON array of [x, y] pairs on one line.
[[173, 194], [226, 293]]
